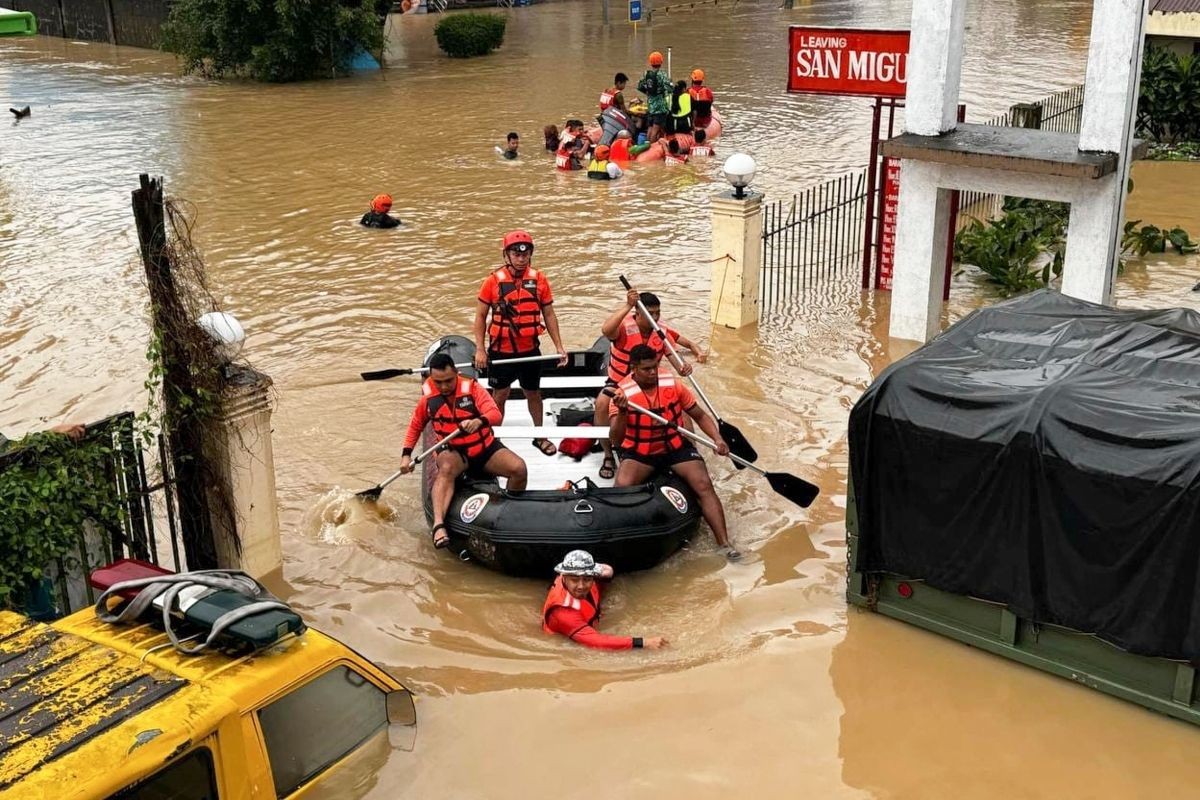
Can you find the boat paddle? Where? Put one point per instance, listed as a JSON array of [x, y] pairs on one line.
[[798, 490], [733, 436], [385, 374], [374, 492]]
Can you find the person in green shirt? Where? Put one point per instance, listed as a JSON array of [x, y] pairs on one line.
[[657, 87]]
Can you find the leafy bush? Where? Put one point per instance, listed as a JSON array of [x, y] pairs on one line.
[[1021, 250], [1169, 99], [278, 41], [49, 488], [1153, 239], [469, 35]]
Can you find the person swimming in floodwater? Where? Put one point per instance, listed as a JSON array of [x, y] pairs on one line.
[[510, 148], [378, 216]]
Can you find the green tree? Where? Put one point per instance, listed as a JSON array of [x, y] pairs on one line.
[[277, 40], [468, 35]]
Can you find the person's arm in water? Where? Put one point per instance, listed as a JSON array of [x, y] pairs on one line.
[[570, 623], [683, 341]]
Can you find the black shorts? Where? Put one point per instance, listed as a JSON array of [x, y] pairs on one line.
[[502, 376], [664, 461], [659, 119], [475, 466]]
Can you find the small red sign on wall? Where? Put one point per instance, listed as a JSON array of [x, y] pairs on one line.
[[887, 239], [847, 61]]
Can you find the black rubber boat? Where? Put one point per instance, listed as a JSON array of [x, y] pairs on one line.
[[634, 527]]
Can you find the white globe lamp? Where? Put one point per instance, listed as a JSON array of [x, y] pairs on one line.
[[226, 331], [739, 171]]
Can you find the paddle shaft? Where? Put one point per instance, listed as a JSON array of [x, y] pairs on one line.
[[421, 456], [695, 437], [384, 374], [675, 359]]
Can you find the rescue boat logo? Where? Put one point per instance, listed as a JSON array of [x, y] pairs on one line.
[[676, 498], [472, 507]]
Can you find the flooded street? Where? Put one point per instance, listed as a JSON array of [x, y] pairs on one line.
[[772, 687]]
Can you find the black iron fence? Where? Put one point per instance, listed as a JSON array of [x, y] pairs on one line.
[[130, 533], [811, 238], [1061, 112]]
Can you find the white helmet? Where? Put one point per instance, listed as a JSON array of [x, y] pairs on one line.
[[578, 562]]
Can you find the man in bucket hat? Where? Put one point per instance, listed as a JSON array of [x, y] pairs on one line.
[[573, 605]]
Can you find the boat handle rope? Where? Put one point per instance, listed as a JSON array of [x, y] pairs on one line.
[[169, 588]]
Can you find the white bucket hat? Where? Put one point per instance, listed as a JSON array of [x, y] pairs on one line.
[[578, 562]]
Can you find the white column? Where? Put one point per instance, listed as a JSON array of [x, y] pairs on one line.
[[922, 229], [1090, 263], [1110, 96], [249, 467], [736, 259], [934, 66]]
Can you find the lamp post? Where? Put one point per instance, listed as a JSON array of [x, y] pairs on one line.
[[226, 331], [739, 170], [736, 247]]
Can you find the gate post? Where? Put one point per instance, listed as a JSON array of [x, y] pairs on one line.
[[737, 259], [243, 433]]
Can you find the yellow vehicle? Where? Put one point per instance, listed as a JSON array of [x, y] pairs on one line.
[[93, 710]]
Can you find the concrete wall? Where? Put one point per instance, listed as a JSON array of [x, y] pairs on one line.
[[135, 23]]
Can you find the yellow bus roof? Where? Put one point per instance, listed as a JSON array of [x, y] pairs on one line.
[[87, 707]]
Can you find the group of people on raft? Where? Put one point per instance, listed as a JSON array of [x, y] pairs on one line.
[[673, 111], [514, 306]]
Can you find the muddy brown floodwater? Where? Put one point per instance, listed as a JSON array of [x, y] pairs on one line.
[[772, 687]]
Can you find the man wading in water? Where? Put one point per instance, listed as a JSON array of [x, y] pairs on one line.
[[573, 605], [519, 299]]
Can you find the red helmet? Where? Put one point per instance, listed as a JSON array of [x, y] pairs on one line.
[[513, 238]]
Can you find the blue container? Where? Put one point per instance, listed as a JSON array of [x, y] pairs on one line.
[[641, 138]]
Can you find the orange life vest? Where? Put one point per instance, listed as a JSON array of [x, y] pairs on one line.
[[702, 100], [559, 597], [563, 160], [644, 435], [674, 160], [619, 150], [517, 314], [701, 150], [446, 412], [607, 96], [618, 356]]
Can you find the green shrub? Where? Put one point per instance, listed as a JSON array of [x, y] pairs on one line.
[[1008, 249], [469, 35], [50, 487], [1169, 98], [281, 40], [1153, 239]]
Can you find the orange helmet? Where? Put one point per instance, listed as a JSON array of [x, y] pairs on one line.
[[656, 59], [514, 238], [382, 203], [698, 75], [602, 152]]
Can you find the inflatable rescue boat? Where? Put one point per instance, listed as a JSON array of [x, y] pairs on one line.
[[566, 505]]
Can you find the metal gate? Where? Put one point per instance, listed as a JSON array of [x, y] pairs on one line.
[[812, 238]]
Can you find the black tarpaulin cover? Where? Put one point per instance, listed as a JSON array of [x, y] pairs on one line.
[[1044, 453]]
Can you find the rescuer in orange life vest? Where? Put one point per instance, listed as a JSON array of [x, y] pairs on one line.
[[573, 605], [451, 401], [625, 329], [519, 299], [702, 100], [648, 445]]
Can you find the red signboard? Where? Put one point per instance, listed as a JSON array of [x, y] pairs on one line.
[[887, 238], [847, 61]]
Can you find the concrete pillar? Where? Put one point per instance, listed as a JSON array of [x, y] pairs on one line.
[[1090, 262], [737, 259], [922, 229], [249, 466], [1110, 97], [934, 66]]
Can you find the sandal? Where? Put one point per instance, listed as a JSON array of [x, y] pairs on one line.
[[608, 468], [546, 446], [443, 541]]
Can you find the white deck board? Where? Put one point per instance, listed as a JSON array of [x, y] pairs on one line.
[[549, 472]]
